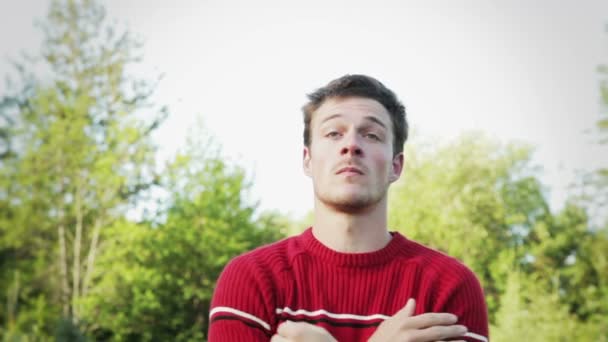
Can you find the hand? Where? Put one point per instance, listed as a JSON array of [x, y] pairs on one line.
[[301, 332], [406, 327]]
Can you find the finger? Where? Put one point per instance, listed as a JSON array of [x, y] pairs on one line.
[[278, 338], [285, 329], [408, 310], [439, 333], [429, 320], [290, 329]]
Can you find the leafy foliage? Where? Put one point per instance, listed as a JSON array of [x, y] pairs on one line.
[[157, 281], [80, 152], [484, 204]]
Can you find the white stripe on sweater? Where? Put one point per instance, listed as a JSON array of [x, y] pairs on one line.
[[476, 336], [307, 313], [329, 314], [303, 312], [239, 313]]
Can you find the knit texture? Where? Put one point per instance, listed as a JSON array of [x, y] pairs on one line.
[[348, 294]]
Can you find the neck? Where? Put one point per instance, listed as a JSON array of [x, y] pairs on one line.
[[351, 232]]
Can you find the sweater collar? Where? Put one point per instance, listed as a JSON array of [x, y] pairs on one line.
[[328, 255]]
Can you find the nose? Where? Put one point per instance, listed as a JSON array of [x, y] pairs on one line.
[[352, 147]]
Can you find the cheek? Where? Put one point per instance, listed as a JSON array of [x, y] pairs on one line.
[[384, 164], [320, 155], [318, 164], [323, 166]]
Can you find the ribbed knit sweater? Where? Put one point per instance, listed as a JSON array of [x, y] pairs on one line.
[[348, 294]]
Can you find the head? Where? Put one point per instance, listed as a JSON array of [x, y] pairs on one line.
[[354, 131], [365, 87]]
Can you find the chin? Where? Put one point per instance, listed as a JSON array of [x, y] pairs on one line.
[[350, 202]]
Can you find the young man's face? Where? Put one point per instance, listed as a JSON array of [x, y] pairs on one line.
[[350, 158]]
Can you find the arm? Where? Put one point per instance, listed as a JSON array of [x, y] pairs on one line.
[[465, 299], [458, 312], [242, 305], [427, 327], [301, 332]]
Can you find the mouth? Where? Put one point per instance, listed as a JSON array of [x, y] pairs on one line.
[[349, 170]]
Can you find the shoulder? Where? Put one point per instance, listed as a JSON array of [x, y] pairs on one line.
[[436, 263], [451, 286], [271, 258], [249, 284], [245, 295], [248, 281]]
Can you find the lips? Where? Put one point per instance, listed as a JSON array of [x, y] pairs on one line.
[[350, 170]]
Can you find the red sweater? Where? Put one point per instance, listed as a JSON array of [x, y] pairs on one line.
[[299, 279]]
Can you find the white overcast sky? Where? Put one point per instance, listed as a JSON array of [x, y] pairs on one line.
[[517, 70]]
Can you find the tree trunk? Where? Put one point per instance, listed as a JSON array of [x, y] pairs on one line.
[[63, 259], [76, 264], [12, 300], [63, 271], [91, 256]]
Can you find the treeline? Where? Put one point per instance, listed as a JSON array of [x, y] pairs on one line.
[[545, 274], [79, 155]]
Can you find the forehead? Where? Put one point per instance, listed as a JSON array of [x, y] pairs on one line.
[[353, 109]]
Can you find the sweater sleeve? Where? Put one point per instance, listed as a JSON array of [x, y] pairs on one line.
[[464, 297], [242, 308]]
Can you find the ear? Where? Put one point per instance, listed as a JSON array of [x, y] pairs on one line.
[[397, 167], [306, 161]]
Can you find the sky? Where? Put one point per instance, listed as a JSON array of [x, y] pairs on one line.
[[520, 71]]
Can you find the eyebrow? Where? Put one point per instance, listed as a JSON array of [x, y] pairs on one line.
[[368, 117]]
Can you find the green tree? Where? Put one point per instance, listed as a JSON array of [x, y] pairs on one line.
[[572, 256], [602, 124], [472, 199], [80, 155], [484, 204], [593, 185], [528, 312], [157, 279]]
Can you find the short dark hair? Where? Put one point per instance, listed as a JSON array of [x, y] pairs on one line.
[[359, 86]]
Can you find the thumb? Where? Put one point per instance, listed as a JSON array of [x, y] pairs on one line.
[[293, 330], [287, 329], [408, 310]]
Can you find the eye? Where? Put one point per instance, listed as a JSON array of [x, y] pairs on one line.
[[333, 134], [372, 136]]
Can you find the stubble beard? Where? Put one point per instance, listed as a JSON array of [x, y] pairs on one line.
[[349, 203]]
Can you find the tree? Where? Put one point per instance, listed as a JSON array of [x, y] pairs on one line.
[[80, 155], [157, 279], [593, 184], [602, 124], [528, 312], [472, 199], [571, 257], [483, 203]]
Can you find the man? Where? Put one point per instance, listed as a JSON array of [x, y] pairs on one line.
[[347, 278]]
